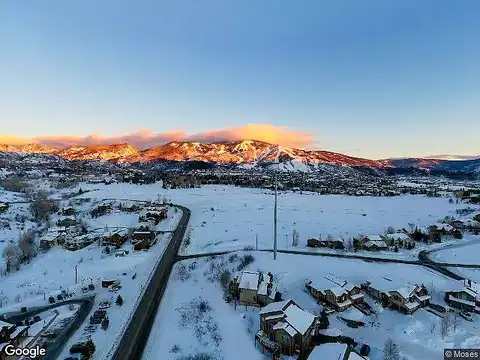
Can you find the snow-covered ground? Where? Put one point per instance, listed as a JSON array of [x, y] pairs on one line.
[[181, 329], [230, 218], [54, 270], [466, 252]]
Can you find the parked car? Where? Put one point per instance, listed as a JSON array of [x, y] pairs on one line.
[[104, 305], [84, 289], [91, 287], [363, 349], [95, 320], [467, 316], [37, 318]]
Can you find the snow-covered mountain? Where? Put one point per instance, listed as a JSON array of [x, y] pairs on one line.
[[98, 152], [243, 154]]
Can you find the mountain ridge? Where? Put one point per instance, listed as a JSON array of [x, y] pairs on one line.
[[240, 152]]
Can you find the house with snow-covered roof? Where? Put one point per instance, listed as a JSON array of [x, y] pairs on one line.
[[334, 351], [466, 298], [407, 298], [254, 288], [398, 239], [287, 326], [370, 243]]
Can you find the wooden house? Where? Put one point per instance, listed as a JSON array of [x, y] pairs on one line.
[[287, 326], [248, 288], [398, 239], [406, 299], [155, 215], [467, 298], [70, 211], [254, 288], [116, 237], [67, 221], [53, 237]]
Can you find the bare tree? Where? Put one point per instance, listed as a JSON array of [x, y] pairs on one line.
[[455, 321], [42, 207], [12, 256], [27, 245], [295, 238], [445, 324], [391, 351], [389, 230], [349, 245]]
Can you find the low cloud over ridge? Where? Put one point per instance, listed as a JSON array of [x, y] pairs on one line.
[[144, 139]]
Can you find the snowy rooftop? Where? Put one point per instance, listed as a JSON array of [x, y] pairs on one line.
[[5, 324], [397, 236], [300, 319], [406, 291], [285, 326], [275, 307], [373, 237], [378, 243], [331, 351], [338, 291], [249, 280]]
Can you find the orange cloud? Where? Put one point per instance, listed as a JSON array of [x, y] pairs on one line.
[[144, 138], [13, 140]]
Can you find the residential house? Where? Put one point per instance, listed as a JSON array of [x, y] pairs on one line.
[[399, 239], [406, 299], [115, 237], [458, 224], [472, 224], [78, 242], [248, 288], [354, 293], [154, 215], [67, 221], [340, 297], [370, 243], [254, 288], [410, 298], [466, 298], [70, 211], [54, 236], [334, 351], [144, 235], [267, 290], [288, 327], [447, 229], [375, 245]]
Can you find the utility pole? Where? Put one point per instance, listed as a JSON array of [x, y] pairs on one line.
[[256, 242], [76, 274], [275, 215]]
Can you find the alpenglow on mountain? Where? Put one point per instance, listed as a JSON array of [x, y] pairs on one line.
[[245, 153]]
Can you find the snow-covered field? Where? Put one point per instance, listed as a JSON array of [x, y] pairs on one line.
[[230, 218], [182, 330], [466, 252]]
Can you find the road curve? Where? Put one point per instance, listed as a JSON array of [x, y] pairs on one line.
[[135, 336], [423, 261]]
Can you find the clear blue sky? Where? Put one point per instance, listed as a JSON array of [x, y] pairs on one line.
[[369, 78]]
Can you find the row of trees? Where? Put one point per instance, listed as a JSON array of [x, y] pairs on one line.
[[22, 252], [26, 248]]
